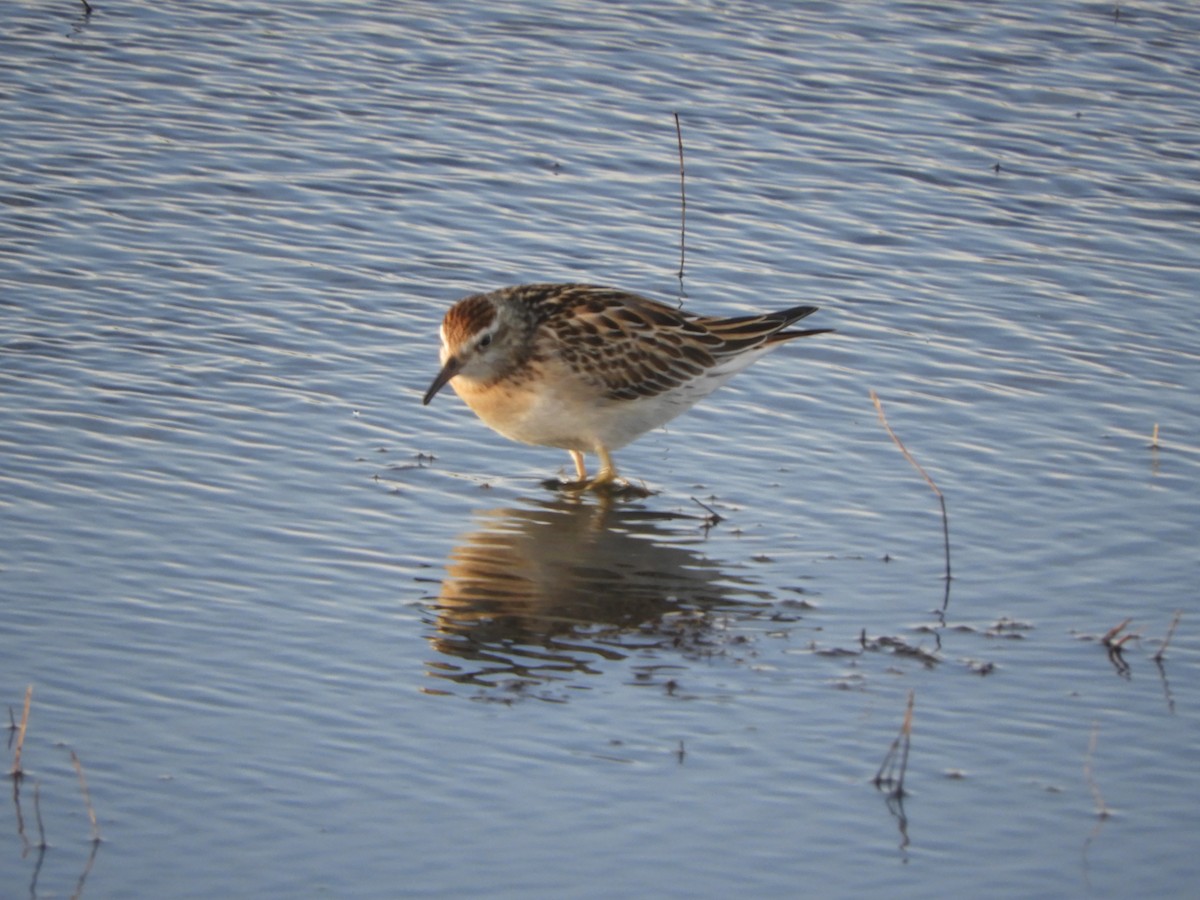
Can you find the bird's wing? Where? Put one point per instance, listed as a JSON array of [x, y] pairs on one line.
[[628, 345]]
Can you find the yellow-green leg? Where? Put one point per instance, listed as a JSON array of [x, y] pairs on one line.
[[608, 471]]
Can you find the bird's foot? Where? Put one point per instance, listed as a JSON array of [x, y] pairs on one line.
[[608, 485]]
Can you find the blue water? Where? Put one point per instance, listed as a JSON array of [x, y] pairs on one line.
[[310, 638]]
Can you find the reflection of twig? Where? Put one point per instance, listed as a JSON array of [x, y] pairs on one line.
[[895, 805], [37, 871], [682, 200], [937, 492], [87, 868], [1162, 674], [895, 764], [87, 797], [25, 845], [1162, 650], [37, 814], [17, 771]]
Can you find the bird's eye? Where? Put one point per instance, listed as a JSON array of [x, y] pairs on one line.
[[485, 341]]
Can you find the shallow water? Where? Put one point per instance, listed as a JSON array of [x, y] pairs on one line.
[[308, 637]]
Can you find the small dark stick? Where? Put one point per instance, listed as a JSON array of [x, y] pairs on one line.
[[87, 7], [682, 197], [713, 518]]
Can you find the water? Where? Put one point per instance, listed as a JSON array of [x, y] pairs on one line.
[[309, 638]]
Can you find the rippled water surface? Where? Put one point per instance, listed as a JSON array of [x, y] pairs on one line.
[[309, 638]]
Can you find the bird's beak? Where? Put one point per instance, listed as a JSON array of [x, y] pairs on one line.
[[449, 370]]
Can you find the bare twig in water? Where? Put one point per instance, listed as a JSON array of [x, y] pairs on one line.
[[17, 771], [713, 517], [916, 465], [87, 797], [1115, 646], [1102, 809], [1162, 650], [1110, 636], [682, 199], [87, 7], [1154, 438], [895, 764]]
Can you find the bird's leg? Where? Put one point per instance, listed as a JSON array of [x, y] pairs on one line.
[[608, 471], [607, 483], [582, 482], [580, 465]]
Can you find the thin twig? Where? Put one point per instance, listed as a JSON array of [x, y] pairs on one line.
[[887, 774], [1162, 650], [87, 797], [87, 7], [1102, 809], [916, 465], [713, 517], [17, 771], [682, 198], [1110, 636], [1154, 438]]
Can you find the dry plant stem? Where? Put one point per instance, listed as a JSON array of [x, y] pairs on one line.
[[1162, 650], [906, 731], [682, 197], [901, 745], [713, 516], [916, 465], [17, 771], [1101, 808], [87, 797], [1107, 640]]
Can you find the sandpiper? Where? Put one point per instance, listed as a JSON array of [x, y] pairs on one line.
[[589, 369]]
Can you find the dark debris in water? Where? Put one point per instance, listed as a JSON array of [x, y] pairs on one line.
[[1010, 629], [898, 646]]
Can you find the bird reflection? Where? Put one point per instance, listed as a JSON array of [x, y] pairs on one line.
[[542, 593]]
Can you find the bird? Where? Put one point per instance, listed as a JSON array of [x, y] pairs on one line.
[[589, 369]]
